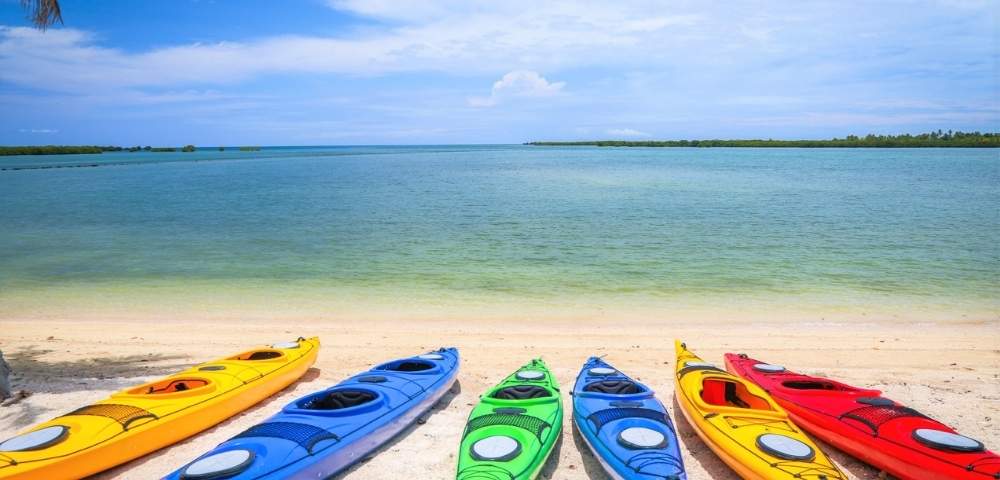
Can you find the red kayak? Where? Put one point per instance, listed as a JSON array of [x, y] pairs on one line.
[[875, 429]]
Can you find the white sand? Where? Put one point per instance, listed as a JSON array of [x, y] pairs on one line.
[[948, 370]]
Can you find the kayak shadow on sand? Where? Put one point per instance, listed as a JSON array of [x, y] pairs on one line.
[[266, 406], [442, 404], [849, 464], [31, 373], [591, 466], [549, 468], [702, 454]]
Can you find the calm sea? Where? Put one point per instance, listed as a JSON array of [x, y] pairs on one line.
[[837, 228]]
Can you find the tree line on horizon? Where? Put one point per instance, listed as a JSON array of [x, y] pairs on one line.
[[79, 149], [953, 139], [932, 139]]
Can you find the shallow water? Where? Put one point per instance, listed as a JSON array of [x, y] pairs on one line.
[[491, 224]]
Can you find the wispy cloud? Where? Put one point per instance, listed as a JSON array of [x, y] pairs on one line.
[[626, 132], [38, 130]]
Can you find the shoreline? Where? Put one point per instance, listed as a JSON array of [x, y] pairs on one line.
[[645, 317], [271, 301], [289, 306], [946, 370]]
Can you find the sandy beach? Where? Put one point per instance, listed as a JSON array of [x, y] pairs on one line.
[[815, 186], [946, 369]]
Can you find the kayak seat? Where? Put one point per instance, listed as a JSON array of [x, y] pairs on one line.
[[259, 355], [263, 355], [714, 393], [819, 384], [339, 399], [173, 386], [408, 366], [521, 392], [726, 393], [534, 425], [614, 387], [123, 414], [307, 436], [601, 418]]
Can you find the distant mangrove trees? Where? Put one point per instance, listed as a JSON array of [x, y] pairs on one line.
[[924, 140], [77, 149], [56, 150]]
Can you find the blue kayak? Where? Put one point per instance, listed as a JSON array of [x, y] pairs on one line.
[[625, 426], [325, 432]]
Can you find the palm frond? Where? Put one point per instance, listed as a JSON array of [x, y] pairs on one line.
[[43, 13]]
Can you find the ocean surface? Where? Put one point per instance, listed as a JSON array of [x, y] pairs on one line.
[[350, 227]]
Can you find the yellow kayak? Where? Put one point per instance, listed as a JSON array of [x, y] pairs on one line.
[[142, 419], [743, 426]]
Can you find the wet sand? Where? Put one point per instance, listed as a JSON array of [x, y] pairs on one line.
[[949, 370]]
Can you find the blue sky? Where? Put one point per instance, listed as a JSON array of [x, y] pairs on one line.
[[322, 72]]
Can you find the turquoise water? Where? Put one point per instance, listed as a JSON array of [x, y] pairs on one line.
[[508, 223]]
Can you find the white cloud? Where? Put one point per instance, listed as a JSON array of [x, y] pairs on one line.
[[481, 102], [764, 100], [864, 121], [478, 38], [627, 132], [38, 130], [403, 10], [526, 84], [519, 83]]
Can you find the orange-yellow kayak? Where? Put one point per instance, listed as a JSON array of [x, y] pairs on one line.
[[744, 426], [142, 419]]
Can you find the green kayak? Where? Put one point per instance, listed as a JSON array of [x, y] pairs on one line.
[[511, 432]]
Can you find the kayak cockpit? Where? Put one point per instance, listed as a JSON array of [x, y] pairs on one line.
[[728, 393], [408, 365], [615, 387], [258, 355], [171, 385], [337, 400], [521, 392], [825, 385], [341, 401], [809, 385]]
